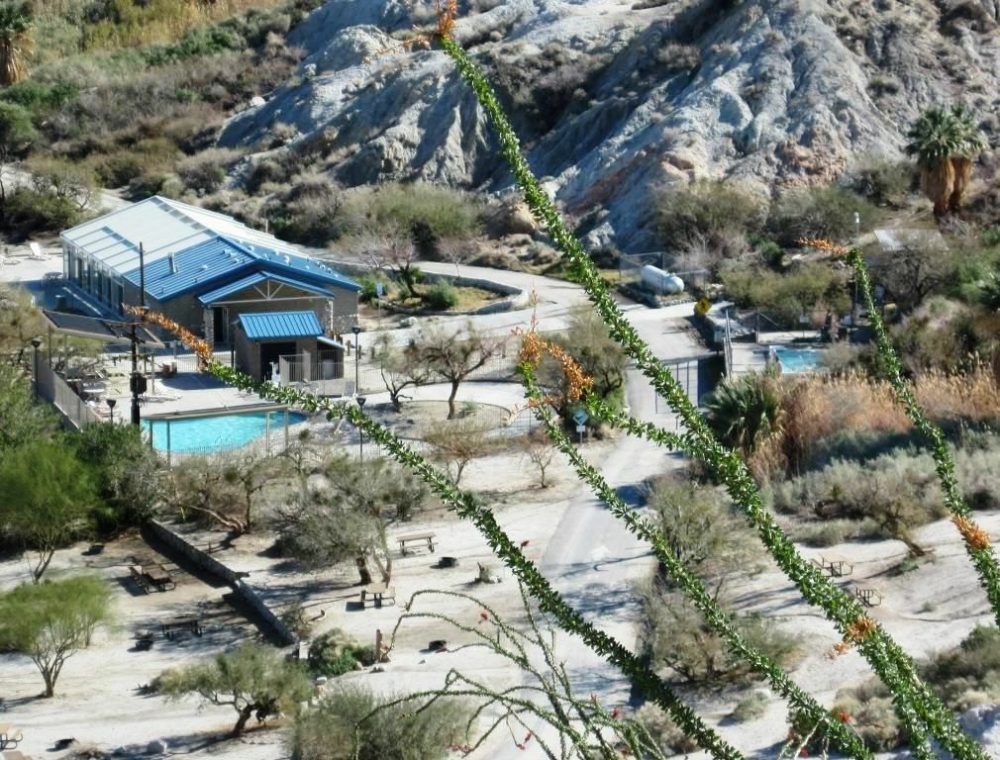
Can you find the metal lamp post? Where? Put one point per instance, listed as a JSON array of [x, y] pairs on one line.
[[111, 408], [35, 343], [356, 329], [361, 433]]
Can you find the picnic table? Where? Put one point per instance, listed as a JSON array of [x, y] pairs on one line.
[[836, 566], [9, 736], [152, 576], [413, 538], [378, 592], [171, 627], [159, 576], [869, 597]]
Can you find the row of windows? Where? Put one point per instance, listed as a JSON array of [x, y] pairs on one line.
[[93, 278]]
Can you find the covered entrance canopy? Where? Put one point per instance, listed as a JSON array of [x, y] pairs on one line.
[[262, 338]]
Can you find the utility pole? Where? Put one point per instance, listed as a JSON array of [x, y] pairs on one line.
[[137, 382]]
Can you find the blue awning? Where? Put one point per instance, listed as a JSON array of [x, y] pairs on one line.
[[220, 294], [281, 325]]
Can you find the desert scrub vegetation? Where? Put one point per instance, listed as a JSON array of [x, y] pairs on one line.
[[137, 90], [709, 221], [806, 288], [355, 724], [819, 212]]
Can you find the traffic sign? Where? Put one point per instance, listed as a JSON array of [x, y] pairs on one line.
[[580, 417], [379, 289], [581, 429]]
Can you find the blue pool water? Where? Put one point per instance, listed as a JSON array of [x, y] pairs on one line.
[[796, 360], [223, 432]]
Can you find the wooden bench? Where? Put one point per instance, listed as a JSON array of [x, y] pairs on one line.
[[379, 592], [416, 538]]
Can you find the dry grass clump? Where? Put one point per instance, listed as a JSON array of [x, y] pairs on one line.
[[817, 409]]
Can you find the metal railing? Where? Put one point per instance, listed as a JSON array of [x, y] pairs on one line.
[[58, 392]]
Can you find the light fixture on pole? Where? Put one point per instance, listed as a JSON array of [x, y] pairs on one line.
[[361, 433], [356, 329], [35, 343], [111, 408]]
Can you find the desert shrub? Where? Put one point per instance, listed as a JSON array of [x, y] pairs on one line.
[[750, 708], [716, 215], [334, 653], [675, 56], [40, 98], [884, 183], [833, 532], [354, 724], [670, 739], [803, 289], [441, 296], [430, 210], [29, 211], [818, 212], [868, 709], [312, 213], [205, 172], [969, 674], [679, 641], [276, 168]]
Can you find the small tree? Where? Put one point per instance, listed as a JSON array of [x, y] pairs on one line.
[[454, 356], [457, 442], [53, 621], [47, 497], [128, 473], [15, 40], [538, 450], [401, 368], [390, 246], [21, 420], [16, 129], [223, 489], [255, 680], [349, 517], [588, 341], [744, 412]]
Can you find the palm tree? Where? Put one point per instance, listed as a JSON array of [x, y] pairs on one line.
[[945, 142], [15, 41], [744, 412]]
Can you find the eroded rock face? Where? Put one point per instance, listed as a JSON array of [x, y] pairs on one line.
[[612, 103]]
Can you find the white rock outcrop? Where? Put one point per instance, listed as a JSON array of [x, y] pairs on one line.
[[612, 102]]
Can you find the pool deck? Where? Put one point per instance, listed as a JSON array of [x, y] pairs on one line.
[[752, 357]]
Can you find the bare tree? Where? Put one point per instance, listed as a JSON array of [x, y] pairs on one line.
[[390, 246], [454, 356], [538, 450], [458, 442], [401, 368]]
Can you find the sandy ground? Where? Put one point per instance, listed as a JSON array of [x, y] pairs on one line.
[[587, 555]]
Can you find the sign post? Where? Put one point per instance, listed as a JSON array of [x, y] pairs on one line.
[[379, 292], [580, 417]]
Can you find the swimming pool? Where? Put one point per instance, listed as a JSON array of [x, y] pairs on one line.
[[223, 432], [796, 360]]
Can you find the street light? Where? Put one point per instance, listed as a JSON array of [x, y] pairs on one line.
[[111, 408], [35, 343], [356, 329], [361, 433]]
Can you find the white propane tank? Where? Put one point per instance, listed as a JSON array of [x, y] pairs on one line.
[[659, 281]]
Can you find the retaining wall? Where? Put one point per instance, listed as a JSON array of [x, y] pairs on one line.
[[234, 580]]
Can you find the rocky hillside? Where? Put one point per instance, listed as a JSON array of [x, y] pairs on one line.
[[614, 99]]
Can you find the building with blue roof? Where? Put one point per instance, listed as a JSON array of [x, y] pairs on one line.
[[202, 269]]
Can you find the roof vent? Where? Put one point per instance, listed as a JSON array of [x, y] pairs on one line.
[[204, 267], [288, 259], [173, 264]]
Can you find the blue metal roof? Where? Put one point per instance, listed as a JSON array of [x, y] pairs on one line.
[[193, 268], [257, 277], [281, 325], [209, 262]]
